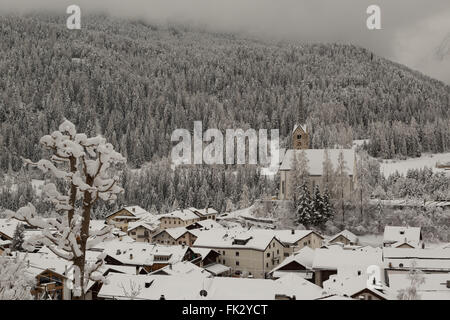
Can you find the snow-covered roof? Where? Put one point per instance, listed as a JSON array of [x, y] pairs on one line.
[[427, 259], [208, 224], [36, 263], [183, 268], [217, 269], [350, 286], [292, 236], [403, 234], [205, 211], [175, 233], [136, 211], [141, 223], [203, 252], [184, 214], [302, 125], [412, 244], [434, 287], [346, 234], [304, 257], [8, 226], [182, 287], [118, 269], [257, 239], [97, 225], [342, 260], [177, 287], [315, 159], [145, 254], [409, 253]]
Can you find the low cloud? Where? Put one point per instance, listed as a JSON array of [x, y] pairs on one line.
[[412, 30]]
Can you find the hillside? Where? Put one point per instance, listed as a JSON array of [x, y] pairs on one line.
[[135, 83]]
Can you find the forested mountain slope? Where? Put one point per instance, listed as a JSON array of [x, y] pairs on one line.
[[136, 83]]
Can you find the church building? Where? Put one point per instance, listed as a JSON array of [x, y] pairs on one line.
[[300, 143]]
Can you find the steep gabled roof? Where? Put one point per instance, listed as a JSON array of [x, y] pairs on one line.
[[346, 234], [403, 234], [315, 159]]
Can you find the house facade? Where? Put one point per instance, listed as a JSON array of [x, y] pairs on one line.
[[294, 240], [253, 253], [185, 217], [300, 137], [175, 236], [121, 218]]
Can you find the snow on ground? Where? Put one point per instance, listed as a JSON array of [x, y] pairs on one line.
[[388, 167]]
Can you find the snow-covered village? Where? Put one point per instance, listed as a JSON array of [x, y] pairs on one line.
[[161, 159]]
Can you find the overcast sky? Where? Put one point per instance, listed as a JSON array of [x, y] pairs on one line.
[[412, 30]]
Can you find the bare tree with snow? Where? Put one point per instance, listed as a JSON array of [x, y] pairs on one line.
[[133, 291], [85, 164], [417, 279]]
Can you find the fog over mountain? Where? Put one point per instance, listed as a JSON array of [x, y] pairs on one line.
[[412, 30]]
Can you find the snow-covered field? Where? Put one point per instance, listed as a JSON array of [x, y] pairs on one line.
[[388, 167]]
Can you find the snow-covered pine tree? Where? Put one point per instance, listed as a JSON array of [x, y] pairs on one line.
[[85, 165], [327, 206], [244, 201], [18, 238], [317, 209], [304, 207]]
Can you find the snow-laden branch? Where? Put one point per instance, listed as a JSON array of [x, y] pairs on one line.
[[85, 164]]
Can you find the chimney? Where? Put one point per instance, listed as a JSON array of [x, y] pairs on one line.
[[292, 231], [133, 209], [118, 252], [131, 256]]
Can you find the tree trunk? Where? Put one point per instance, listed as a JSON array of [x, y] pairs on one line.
[[81, 261]]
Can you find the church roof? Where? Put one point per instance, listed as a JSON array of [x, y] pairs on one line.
[[303, 126], [315, 159]]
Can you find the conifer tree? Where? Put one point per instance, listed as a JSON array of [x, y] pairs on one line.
[[18, 238], [304, 207]]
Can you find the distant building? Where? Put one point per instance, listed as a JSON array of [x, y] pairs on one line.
[[300, 137], [185, 217], [294, 240], [315, 162], [402, 237], [400, 260], [141, 231], [345, 237], [175, 236], [246, 252], [121, 218]]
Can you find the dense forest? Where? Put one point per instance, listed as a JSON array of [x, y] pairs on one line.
[[135, 83]]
